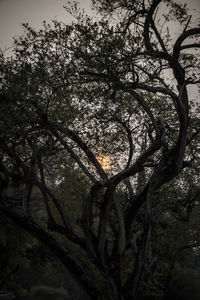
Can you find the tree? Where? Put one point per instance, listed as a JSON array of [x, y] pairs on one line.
[[13, 245], [115, 86]]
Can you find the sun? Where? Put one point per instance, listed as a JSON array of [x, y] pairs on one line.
[[104, 161]]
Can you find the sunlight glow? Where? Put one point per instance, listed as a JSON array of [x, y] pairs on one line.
[[104, 161]]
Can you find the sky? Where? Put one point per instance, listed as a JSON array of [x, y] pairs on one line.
[[15, 12]]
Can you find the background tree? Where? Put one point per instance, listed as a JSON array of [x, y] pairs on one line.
[[115, 86]]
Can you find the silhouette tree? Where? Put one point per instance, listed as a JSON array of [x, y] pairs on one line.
[[115, 86]]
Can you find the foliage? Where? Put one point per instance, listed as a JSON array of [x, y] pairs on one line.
[[42, 293], [184, 283], [13, 246]]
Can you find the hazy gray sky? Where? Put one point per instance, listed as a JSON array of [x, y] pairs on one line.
[[15, 12]]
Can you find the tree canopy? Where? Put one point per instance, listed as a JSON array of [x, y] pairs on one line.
[[119, 86]]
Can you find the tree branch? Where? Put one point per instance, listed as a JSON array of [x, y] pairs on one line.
[[177, 46], [69, 262]]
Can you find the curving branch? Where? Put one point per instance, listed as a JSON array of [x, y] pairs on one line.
[[33, 179], [144, 105], [188, 46], [62, 253], [121, 237], [104, 216], [54, 129], [178, 44], [179, 72]]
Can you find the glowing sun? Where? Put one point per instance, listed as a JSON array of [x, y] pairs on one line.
[[104, 161]]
